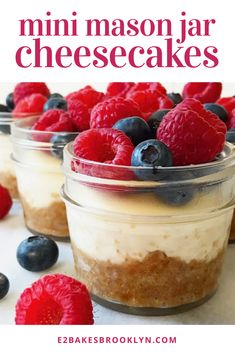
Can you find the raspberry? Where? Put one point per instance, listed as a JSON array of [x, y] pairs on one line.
[[80, 114], [153, 86], [55, 120], [228, 103], [107, 113], [86, 95], [119, 89], [205, 92], [231, 121], [194, 135], [5, 202], [30, 104], [24, 89], [150, 101], [55, 300]]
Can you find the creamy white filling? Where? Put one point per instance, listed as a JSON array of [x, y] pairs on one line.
[[40, 178], [6, 164], [113, 240]]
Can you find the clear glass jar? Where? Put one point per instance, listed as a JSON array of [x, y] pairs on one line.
[[39, 177], [231, 137], [149, 247], [7, 171]]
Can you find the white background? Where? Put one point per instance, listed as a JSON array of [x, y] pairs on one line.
[[222, 37]]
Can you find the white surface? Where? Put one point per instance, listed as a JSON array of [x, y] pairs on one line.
[[218, 310]]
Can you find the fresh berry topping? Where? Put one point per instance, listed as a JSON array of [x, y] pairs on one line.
[[37, 253], [230, 136], [193, 134], [55, 300], [86, 95], [58, 143], [153, 86], [30, 104], [119, 89], [151, 154], [135, 128], [5, 202], [24, 89], [104, 145], [55, 95], [176, 196], [154, 121], [175, 97], [231, 120], [10, 102], [107, 113], [55, 103], [80, 114], [54, 120], [149, 101], [229, 104], [218, 110], [4, 285], [4, 108], [205, 92]]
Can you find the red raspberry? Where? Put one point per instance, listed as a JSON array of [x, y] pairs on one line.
[[80, 114], [205, 92], [228, 103], [5, 202], [107, 113], [150, 101], [119, 89], [55, 300], [86, 95], [153, 86], [104, 145], [231, 121], [31, 104], [55, 120], [194, 135], [24, 89]]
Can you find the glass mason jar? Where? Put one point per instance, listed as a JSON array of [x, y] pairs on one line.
[[231, 138], [7, 172], [37, 156], [149, 242]]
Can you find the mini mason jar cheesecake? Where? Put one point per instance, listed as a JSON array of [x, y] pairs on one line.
[[149, 218], [37, 156]]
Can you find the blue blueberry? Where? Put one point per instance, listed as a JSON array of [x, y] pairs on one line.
[[176, 98], [154, 121], [58, 143], [230, 136], [10, 102], [176, 196], [4, 285], [56, 95], [135, 128], [3, 109], [55, 103], [151, 154], [218, 110], [37, 253]]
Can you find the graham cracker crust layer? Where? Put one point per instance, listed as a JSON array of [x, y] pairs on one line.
[[157, 281], [232, 230], [51, 220], [9, 181]]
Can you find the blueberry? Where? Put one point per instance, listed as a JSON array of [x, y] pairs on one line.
[[56, 95], [4, 127], [58, 143], [218, 110], [154, 121], [55, 103], [230, 136], [176, 196], [135, 128], [175, 97], [3, 109], [37, 253], [151, 154], [4, 285], [10, 102]]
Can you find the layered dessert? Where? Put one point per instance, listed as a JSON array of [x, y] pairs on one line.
[[149, 218]]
